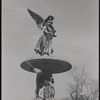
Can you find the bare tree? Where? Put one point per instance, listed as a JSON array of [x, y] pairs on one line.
[[79, 77], [82, 87], [92, 89]]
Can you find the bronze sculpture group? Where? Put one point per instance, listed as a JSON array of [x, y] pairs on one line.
[[45, 67]]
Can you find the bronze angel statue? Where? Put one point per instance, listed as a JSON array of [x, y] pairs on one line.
[[44, 44]]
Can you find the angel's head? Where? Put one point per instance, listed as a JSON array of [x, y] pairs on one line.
[[49, 20], [50, 17]]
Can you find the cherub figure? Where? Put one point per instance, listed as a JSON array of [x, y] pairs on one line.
[[44, 44]]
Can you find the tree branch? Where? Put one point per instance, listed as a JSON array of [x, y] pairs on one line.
[[72, 95]]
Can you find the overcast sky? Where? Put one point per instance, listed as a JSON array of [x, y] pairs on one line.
[[76, 24]]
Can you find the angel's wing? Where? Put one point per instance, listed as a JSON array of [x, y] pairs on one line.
[[38, 19]]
